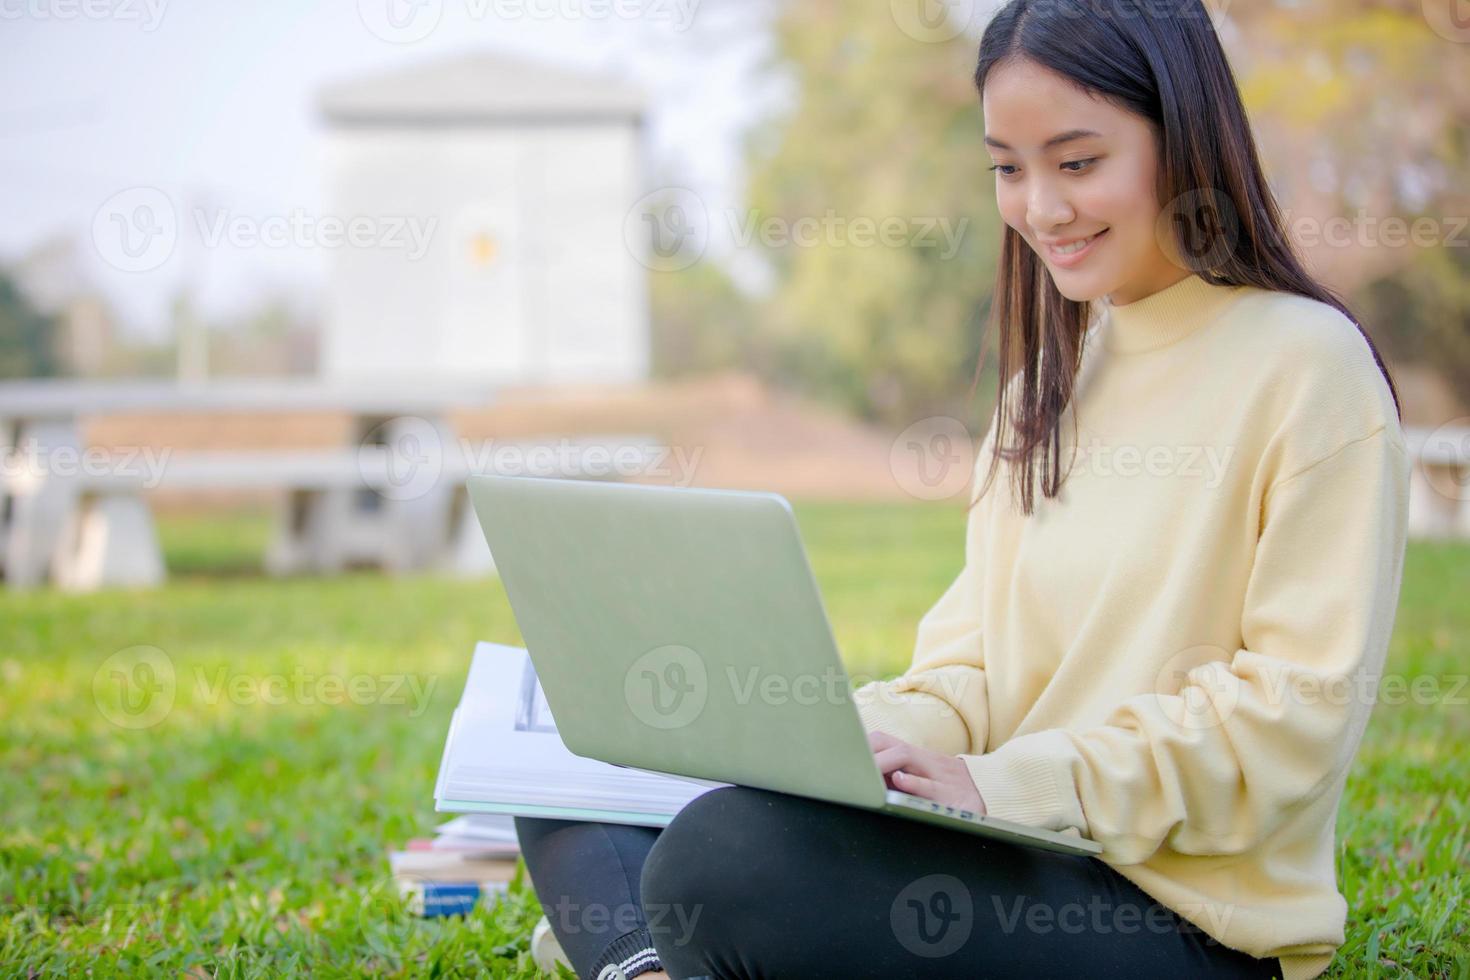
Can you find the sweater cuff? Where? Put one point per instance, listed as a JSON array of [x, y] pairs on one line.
[[914, 716], [1028, 781]]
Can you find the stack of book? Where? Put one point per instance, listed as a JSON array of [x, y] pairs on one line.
[[469, 858], [503, 758]]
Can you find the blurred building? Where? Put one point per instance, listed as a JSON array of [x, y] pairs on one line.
[[514, 182]]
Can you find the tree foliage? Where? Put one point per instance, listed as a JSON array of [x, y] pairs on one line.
[[26, 335], [885, 131]]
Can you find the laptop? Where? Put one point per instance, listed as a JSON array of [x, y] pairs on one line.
[[681, 631]]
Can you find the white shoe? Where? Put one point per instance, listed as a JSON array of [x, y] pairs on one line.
[[546, 949]]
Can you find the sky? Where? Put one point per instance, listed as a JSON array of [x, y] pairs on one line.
[[215, 102]]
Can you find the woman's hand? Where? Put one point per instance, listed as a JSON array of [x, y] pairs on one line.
[[922, 772]]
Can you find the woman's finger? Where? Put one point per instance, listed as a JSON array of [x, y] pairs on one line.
[[916, 785], [904, 756], [890, 759]]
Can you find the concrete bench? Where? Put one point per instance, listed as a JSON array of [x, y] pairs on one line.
[[337, 508], [44, 417], [1439, 485]]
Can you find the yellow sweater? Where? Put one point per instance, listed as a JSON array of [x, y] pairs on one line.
[[1178, 656]]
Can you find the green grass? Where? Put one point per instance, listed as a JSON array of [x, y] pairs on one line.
[[238, 838]]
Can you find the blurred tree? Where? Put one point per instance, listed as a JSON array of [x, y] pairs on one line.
[[1363, 108], [884, 132], [702, 323], [26, 335]]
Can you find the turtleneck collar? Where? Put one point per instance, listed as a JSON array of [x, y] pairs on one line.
[[1164, 317]]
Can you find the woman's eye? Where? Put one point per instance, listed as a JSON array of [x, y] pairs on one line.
[[1084, 163], [1004, 169]]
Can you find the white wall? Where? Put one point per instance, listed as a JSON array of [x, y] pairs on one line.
[[562, 298]]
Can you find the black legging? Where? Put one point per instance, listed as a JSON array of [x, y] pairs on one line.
[[749, 883]]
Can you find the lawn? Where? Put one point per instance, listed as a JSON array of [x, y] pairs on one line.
[[241, 831]]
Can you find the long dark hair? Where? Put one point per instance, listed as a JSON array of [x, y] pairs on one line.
[[1168, 67]]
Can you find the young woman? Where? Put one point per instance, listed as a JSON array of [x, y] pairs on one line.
[[1169, 649]]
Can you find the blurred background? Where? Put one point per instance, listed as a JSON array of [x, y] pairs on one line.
[[274, 277]]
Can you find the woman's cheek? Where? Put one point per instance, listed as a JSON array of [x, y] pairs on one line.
[[1012, 210]]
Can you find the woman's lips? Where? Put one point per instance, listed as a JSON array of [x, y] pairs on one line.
[[1066, 260]]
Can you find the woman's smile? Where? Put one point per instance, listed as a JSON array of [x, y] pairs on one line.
[[1074, 252]]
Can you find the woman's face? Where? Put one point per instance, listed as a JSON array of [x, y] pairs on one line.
[[1070, 166]]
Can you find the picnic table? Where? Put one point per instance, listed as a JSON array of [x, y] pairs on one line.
[[393, 497]]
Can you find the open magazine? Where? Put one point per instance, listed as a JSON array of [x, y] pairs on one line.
[[503, 755]]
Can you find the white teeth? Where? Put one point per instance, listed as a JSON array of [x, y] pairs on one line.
[[1074, 247]]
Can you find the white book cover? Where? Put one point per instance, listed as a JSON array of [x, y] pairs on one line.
[[503, 756]]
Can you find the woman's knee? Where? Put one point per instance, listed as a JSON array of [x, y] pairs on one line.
[[719, 839]]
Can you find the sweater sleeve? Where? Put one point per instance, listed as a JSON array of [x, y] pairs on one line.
[[1217, 758], [939, 702]]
